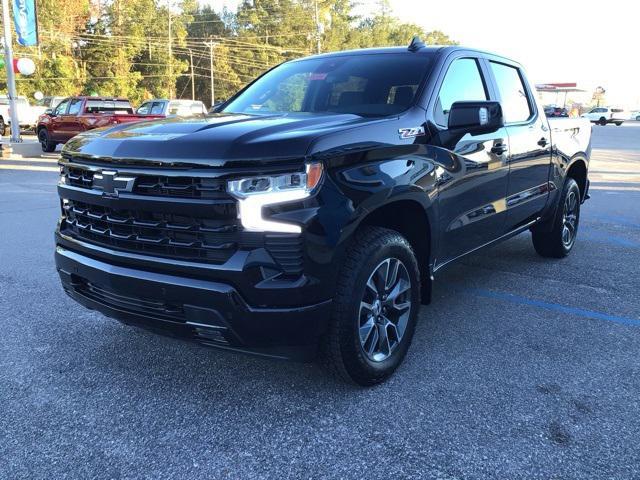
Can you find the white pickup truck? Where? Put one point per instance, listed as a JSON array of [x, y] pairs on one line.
[[27, 115], [604, 115]]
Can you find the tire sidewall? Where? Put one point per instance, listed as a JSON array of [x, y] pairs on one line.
[[351, 348], [570, 185]]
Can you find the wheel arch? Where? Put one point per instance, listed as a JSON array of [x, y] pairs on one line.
[[409, 218], [578, 170]]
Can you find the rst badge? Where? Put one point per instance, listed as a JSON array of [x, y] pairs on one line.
[[411, 132]]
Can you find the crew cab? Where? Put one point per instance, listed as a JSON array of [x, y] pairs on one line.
[[310, 216], [605, 115], [172, 108], [74, 115]]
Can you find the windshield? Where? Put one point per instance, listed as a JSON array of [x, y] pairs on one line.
[[365, 84]]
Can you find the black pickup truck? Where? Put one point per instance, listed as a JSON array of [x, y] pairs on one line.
[[310, 214]]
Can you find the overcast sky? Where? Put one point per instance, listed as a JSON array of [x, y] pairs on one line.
[[593, 43]]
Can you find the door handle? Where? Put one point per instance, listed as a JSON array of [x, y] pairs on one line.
[[499, 149], [542, 142]]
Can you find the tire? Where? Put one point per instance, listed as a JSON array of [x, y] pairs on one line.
[[638, 118], [354, 348], [618, 124], [3, 127], [556, 244], [47, 145], [602, 121]]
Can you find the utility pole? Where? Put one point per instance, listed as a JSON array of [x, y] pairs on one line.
[[211, 44], [170, 57], [11, 78], [193, 85], [318, 28]]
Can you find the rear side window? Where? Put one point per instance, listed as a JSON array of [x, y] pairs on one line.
[[462, 82], [109, 106], [515, 103]]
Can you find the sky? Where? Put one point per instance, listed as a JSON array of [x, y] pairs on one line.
[[593, 43]]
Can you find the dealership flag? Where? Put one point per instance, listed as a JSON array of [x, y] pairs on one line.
[[24, 17]]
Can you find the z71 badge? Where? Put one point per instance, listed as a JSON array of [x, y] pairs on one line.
[[411, 132]]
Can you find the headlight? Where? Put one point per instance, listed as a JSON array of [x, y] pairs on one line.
[[256, 192]]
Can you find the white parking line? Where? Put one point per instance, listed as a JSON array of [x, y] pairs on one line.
[[34, 168]]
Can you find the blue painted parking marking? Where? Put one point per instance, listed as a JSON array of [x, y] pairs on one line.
[[580, 312], [606, 237]]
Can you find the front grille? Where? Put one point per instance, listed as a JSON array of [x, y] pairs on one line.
[[213, 239], [162, 234], [156, 185], [148, 307], [189, 187]]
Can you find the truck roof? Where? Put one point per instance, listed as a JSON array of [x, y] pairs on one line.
[[423, 50]]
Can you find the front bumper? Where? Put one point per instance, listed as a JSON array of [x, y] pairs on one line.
[[209, 312]]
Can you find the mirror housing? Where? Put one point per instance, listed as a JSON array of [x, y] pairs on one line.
[[49, 111], [476, 117]]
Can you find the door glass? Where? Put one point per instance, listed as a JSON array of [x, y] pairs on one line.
[[62, 107], [462, 82], [515, 103], [75, 107], [156, 108], [143, 109]]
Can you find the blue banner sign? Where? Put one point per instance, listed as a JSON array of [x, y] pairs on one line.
[[24, 18]]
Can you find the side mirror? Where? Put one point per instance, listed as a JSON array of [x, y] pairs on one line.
[[475, 117], [49, 111]]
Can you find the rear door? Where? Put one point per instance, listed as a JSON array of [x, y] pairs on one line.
[[529, 145], [473, 183]]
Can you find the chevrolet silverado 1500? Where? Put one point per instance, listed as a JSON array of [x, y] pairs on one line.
[[311, 214]]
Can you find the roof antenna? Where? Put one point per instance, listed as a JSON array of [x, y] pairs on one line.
[[416, 44]]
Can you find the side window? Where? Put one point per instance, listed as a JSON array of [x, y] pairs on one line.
[[74, 108], [515, 103], [144, 108], [462, 82], [62, 107], [156, 108]]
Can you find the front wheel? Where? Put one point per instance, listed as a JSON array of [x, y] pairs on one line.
[[45, 143], [375, 308], [602, 121], [618, 124], [560, 240]]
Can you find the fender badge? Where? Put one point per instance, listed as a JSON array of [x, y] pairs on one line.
[[411, 132]]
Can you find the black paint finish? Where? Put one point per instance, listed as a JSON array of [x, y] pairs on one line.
[[259, 292]]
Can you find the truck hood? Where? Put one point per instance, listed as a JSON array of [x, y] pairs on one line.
[[215, 140]]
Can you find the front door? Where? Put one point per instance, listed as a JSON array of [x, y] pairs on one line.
[[56, 127], [529, 146], [472, 184]]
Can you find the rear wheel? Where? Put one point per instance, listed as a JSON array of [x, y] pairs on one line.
[[3, 127], [375, 308], [602, 121], [560, 240], [46, 144], [618, 124]]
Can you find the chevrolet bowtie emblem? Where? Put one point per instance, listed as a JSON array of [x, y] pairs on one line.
[[111, 183]]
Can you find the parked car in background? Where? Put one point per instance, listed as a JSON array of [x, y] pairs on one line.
[[315, 221], [79, 114], [45, 103], [552, 111], [172, 108], [27, 115], [604, 115], [634, 115]]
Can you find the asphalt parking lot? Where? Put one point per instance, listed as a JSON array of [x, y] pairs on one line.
[[521, 368]]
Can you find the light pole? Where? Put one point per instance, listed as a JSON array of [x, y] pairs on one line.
[[11, 79]]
